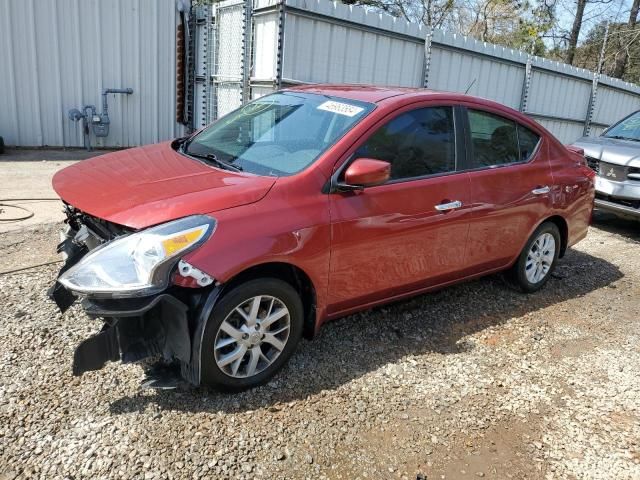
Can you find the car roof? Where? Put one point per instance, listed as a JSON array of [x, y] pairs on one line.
[[379, 95], [371, 93]]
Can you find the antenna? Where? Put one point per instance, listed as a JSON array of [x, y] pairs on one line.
[[470, 85]]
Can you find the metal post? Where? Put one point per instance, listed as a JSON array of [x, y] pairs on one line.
[[190, 71], [210, 62], [594, 86], [526, 83], [247, 43], [280, 53], [201, 66], [427, 56]]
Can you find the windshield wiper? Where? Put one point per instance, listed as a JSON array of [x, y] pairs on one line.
[[210, 157], [620, 137]]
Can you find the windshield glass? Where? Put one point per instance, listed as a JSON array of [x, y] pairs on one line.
[[627, 129], [278, 134]]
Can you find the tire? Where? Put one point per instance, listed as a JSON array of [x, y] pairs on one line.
[[523, 275], [229, 353]]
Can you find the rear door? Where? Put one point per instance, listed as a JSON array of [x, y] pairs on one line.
[[390, 239], [511, 185]]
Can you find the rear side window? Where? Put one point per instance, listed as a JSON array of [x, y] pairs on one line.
[[528, 142], [494, 139], [417, 143]]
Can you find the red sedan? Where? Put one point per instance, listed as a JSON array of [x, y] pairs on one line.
[[219, 251]]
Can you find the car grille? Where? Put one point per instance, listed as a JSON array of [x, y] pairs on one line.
[[593, 163], [610, 171]]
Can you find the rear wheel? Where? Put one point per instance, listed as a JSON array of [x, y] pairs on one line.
[[537, 260], [252, 332]]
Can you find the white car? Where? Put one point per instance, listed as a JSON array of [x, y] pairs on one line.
[[615, 157]]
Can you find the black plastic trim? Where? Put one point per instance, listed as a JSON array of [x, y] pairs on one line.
[[125, 307]]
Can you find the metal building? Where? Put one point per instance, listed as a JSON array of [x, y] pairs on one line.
[[187, 70], [57, 55]]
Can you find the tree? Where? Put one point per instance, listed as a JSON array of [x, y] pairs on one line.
[[535, 25], [515, 23], [623, 57], [575, 31], [620, 39]]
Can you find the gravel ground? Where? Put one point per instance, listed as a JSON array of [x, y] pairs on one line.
[[473, 381]]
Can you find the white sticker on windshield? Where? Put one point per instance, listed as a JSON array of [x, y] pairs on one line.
[[340, 108]]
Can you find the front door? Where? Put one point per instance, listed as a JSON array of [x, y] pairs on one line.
[[410, 232]]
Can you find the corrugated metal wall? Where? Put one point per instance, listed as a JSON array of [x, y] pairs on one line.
[[460, 63], [317, 50], [60, 54], [324, 41]]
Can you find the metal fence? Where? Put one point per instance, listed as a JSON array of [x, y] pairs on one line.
[[56, 55], [314, 41], [222, 56]]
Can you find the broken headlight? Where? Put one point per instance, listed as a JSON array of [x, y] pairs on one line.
[[139, 263]]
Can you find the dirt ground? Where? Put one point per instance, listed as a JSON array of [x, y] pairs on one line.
[[470, 382], [473, 381], [25, 181]]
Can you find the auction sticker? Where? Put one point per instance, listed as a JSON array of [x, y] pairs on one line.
[[340, 108]]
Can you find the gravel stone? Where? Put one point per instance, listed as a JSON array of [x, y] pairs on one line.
[[475, 378]]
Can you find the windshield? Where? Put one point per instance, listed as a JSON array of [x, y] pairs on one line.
[[627, 129], [278, 134]]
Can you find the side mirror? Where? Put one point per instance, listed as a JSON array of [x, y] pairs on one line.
[[366, 172]]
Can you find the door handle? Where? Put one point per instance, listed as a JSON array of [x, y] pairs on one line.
[[541, 190], [444, 207]]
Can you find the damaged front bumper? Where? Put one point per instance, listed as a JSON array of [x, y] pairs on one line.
[[167, 326], [163, 327], [135, 329]]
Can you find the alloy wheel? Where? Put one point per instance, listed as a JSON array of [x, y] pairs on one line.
[[252, 336], [540, 258]]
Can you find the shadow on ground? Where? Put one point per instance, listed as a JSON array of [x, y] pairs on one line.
[[49, 154], [349, 348], [609, 222]]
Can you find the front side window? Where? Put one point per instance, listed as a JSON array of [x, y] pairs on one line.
[[627, 129], [278, 134], [416, 143]]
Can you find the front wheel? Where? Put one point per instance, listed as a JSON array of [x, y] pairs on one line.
[[252, 332], [537, 260]]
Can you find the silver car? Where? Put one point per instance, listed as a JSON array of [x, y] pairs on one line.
[[615, 157]]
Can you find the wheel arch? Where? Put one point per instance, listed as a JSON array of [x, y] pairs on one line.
[[563, 227], [287, 272], [560, 222]]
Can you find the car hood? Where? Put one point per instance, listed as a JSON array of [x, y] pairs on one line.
[[144, 186], [611, 150]]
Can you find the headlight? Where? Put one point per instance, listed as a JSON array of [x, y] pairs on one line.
[[140, 263]]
